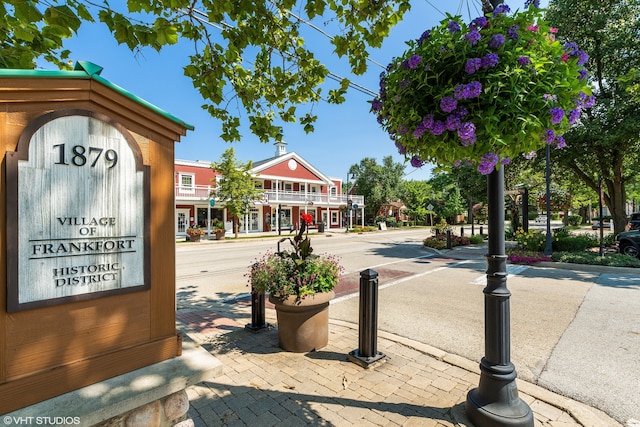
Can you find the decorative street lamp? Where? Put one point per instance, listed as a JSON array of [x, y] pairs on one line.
[[472, 93]]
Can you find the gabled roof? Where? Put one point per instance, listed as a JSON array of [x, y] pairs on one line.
[[290, 165]]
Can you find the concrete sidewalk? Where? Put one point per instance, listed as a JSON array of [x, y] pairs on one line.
[[414, 385]]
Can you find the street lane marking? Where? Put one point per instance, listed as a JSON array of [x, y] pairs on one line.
[[512, 270], [399, 281]]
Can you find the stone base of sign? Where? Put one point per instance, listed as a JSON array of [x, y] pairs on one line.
[[154, 396]]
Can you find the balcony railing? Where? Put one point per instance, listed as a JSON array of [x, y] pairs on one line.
[[202, 192]]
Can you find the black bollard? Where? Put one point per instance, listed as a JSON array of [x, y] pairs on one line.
[[481, 230], [461, 231], [449, 245], [367, 352], [257, 312]]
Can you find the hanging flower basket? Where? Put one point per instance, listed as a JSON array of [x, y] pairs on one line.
[[483, 92]]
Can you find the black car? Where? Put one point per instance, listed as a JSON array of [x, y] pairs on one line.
[[629, 243], [634, 221]]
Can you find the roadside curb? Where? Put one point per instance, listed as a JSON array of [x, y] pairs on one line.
[[583, 414]]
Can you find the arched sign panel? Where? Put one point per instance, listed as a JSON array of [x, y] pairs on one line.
[[81, 218]]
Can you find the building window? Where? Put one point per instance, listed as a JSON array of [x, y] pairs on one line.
[[334, 217], [187, 183], [258, 185], [334, 191]]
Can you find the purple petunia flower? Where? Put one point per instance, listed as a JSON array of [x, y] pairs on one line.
[[457, 163], [403, 84], [488, 163], [490, 60], [467, 133], [453, 122], [549, 136], [560, 142], [466, 130], [512, 33], [583, 74], [506, 160], [401, 149], [473, 37], [534, 3], [549, 97], [585, 101], [403, 129], [414, 61], [416, 162], [583, 57], [376, 105], [461, 112], [428, 121], [437, 128], [496, 41], [573, 116], [557, 114], [472, 65], [420, 130], [475, 89], [530, 155], [501, 9], [453, 27], [571, 48], [424, 36], [524, 60], [448, 104], [479, 22], [471, 90]]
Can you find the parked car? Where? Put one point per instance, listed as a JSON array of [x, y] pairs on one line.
[[541, 218], [595, 225], [629, 243], [634, 221]]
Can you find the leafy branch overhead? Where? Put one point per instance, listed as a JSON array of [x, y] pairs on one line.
[[249, 58]]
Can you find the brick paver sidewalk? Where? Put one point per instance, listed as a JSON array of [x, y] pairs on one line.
[[414, 385]]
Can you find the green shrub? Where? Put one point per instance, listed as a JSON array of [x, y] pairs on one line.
[[574, 220], [571, 244], [366, 228], [476, 239], [591, 258]]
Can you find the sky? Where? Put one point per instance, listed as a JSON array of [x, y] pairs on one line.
[[344, 134]]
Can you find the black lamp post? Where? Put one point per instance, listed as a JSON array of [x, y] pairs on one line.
[[548, 250], [495, 402]]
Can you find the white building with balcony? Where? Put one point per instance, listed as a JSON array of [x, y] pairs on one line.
[[291, 186]]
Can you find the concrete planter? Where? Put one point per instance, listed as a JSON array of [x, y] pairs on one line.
[[303, 325]]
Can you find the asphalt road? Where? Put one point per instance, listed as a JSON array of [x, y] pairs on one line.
[[574, 332]]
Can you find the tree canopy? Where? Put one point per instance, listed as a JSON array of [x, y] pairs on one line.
[[249, 58], [378, 183], [236, 187], [606, 143]]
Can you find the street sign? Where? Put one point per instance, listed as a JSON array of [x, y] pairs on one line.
[[212, 202], [355, 206], [430, 207]]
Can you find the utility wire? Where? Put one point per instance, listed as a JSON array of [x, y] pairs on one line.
[[331, 75]]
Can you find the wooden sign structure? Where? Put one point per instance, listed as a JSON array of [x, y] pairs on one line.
[[87, 213]]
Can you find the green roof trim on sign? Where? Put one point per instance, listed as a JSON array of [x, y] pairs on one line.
[[89, 70]]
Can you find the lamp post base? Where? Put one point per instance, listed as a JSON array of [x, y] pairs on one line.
[[495, 403]]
